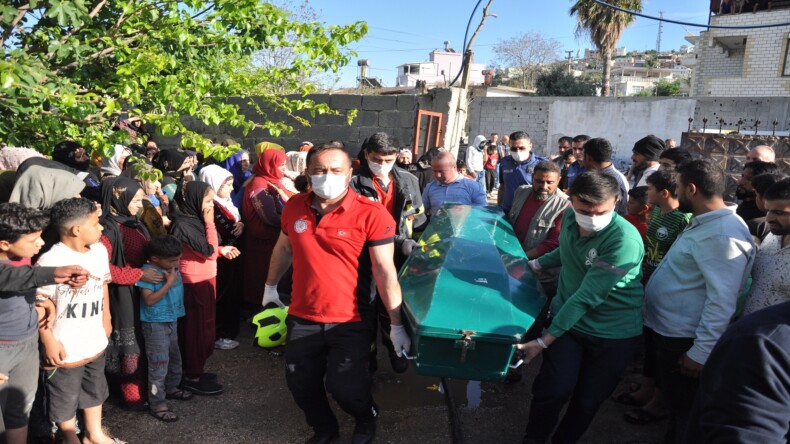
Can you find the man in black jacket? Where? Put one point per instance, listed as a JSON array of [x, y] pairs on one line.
[[744, 392], [380, 180]]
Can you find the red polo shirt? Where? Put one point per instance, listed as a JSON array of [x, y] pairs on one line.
[[326, 254]]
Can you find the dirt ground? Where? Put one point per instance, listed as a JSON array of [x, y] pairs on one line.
[[257, 408]]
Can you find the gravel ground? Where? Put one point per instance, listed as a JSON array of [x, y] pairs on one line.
[[257, 408]]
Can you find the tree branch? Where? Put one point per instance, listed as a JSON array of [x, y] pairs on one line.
[[95, 55], [480, 26], [76, 29], [21, 11]]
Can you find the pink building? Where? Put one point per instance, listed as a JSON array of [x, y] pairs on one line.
[[440, 70]]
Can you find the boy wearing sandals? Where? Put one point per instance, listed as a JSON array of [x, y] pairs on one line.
[[161, 306], [74, 345]]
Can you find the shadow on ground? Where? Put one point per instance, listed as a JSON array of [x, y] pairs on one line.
[[257, 408]]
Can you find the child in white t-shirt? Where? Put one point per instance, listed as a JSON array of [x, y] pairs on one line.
[[75, 344]]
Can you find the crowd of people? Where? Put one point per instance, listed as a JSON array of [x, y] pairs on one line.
[[112, 280]]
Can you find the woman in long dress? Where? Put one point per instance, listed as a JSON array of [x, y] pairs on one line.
[[264, 198]]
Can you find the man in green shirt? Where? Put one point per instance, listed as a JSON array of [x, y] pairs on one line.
[[597, 312]]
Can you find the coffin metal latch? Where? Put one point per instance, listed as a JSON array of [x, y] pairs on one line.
[[465, 343]]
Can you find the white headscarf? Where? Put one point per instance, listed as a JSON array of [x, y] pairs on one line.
[[215, 176], [112, 165]]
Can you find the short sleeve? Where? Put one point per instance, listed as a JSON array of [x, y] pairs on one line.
[[102, 263], [286, 218], [380, 227]]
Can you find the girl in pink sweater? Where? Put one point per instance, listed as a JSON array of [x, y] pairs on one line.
[[192, 213]]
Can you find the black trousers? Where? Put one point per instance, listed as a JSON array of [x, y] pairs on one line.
[[332, 358], [583, 369], [679, 390], [229, 297]]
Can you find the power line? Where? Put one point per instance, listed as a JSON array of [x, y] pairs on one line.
[[677, 22]]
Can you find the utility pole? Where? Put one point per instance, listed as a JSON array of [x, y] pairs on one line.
[[570, 57], [660, 31]]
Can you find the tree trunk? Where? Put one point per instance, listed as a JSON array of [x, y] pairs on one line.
[[605, 77]]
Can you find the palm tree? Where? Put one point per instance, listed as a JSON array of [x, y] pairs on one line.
[[604, 26]]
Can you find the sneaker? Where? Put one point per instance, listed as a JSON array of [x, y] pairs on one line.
[[203, 387], [226, 344], [364, 432]]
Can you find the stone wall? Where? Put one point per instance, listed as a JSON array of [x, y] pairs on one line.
[[622, 120], [727, 70]]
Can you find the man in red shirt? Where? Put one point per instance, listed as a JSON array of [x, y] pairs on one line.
[[536, 216], [330, 329]]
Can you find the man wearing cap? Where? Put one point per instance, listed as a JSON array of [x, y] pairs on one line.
[[645, 156]]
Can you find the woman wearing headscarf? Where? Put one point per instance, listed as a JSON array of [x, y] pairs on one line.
[[90, 191], [229, 274], [174, 165], [192, 213], [71, 154], [40, 187], [264, 198], [126, 239], [155, 202], [112, 166], [11, 157], [239, 165]]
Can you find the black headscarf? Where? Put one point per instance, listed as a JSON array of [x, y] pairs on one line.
[[116, 195], [169, 161], [186, 212], [64, 153]]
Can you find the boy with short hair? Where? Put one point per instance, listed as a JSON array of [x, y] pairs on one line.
[[161, 306], [75, 344], [638, 209], [21, 314]]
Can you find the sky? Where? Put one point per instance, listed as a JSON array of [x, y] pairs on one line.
[[405, 31]]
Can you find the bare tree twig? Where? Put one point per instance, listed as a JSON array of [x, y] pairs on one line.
[[480, 26], [21, 11]]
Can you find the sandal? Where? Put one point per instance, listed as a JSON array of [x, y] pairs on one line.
[[180, 395], [164, 415], [642, 417]]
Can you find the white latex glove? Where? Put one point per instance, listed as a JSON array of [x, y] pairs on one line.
[[270, 295], [534, 265], [408, 246], [400, 339]]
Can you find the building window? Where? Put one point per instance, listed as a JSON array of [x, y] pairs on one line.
[[786, 70], [638, 89]]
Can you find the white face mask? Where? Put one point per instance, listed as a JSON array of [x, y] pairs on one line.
[[380, 169], [520, 156], [328, 186], [593, 223]]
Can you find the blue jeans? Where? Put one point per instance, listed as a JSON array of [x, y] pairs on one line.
[[583, 369], [164, 360], [481, 178], [496, 179]]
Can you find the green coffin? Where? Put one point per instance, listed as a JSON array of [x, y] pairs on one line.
[[468, 294]]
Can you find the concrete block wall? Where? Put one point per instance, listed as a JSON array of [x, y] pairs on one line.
[[392, 114], [762, 59], [622, 120]]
